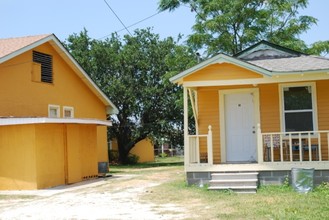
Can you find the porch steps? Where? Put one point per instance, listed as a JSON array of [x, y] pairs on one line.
[[237, 182]]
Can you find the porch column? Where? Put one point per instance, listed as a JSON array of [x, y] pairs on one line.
[[259, 144], [186, 138]]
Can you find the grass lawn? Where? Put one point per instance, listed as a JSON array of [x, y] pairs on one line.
[[270, 202]]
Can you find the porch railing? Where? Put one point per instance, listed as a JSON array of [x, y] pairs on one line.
[[293, 146], [200, 150]]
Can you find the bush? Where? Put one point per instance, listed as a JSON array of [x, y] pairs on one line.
[[132, 159], [114, 157]]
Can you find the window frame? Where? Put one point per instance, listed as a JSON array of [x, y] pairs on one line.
[[68, 108], [312, 85], [54, 107]]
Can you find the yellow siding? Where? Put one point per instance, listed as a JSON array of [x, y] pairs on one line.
[[269, 102], [323, 112], [208, 103], [21, 96], [73, 151], [102, 149], [49, 155], [144, 150], [88, 151], [17, 156], [223, 71]]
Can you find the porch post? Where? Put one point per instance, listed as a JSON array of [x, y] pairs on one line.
[[259, 144], [186, 138], [209, 145]]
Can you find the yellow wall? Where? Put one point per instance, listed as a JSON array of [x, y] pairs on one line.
[[22, 96], [269, 100], [17, 156], [223, 71], [46, 155], [49, 155], [145, 150]]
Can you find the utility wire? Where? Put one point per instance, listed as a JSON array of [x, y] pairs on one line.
[[134, 24], [117, 17]]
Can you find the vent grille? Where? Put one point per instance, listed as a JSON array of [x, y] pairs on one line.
[[46, 66]]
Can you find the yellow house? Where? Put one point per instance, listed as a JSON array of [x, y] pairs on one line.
[[261, 112], [53, 127], [144, 149]]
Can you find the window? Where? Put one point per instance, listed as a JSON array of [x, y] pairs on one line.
[[53, 111], [298, 107], [46, 64], [68, 112]]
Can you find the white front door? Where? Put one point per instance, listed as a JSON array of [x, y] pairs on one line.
[[240, 128]]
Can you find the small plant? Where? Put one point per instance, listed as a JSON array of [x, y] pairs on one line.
[[286, 182], [163, 155]]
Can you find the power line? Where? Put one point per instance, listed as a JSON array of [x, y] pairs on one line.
[[134, 24], [117, 17]]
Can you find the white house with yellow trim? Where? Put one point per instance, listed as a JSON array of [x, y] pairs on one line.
[[53, 117], [264, 111]]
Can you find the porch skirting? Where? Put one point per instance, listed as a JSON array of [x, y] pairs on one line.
[[268, 174]]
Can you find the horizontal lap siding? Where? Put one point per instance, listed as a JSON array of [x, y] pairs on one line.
[[269, 108], [222, 71], [208, 103], [322, 93]]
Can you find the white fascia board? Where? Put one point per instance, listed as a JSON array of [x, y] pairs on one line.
[[295, 77], [22, 121], [221, 58]]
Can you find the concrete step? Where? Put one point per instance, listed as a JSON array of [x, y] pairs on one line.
[[237, 182], [234, 182], [221, 176]]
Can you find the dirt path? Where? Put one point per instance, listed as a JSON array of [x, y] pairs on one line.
[[117, 197]]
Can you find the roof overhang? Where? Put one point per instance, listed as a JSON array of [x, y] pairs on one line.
[[58, 46], [218, 59], [24, 121]]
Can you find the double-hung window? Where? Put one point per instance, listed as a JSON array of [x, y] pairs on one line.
[[298, 105]]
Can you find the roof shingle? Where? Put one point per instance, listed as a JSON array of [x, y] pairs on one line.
[[10, 45]]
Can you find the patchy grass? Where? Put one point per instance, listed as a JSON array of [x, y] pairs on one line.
[[159, 162], [270, 202]]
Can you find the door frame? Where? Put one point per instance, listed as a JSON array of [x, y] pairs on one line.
[[222, 121]]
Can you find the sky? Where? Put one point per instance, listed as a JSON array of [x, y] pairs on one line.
[[65, 17]]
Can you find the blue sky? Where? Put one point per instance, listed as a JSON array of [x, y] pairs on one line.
[[65, 17]]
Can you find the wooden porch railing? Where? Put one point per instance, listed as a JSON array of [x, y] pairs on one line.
[[196, 155], [304, 146]]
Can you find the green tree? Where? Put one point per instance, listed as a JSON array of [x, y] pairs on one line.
[[230, 26], [133, 72]]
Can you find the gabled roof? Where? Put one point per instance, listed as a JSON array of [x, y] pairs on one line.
[[265, 49], [12, 47], [266, 59]]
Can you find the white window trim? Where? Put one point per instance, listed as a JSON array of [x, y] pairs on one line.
[[314, 103], [68, 108], [57, 107]]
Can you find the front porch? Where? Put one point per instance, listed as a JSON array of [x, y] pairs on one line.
[[284, 146]]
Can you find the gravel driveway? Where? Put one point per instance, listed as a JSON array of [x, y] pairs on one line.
[[116, 197]]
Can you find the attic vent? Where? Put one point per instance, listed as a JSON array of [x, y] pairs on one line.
[[46, 66]]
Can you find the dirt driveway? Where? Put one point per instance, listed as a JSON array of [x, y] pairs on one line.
[[116, 197]]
